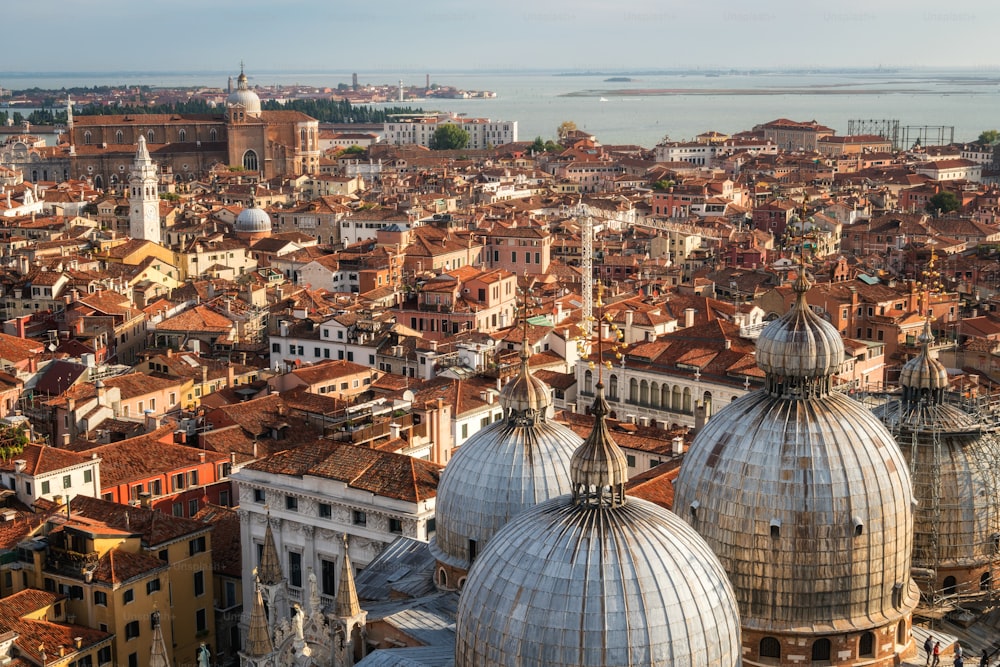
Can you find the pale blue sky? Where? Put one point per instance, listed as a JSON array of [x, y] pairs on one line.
[[448, 35]]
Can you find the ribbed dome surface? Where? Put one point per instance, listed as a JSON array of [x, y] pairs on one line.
[[573, 585], [499, 472], [526, 392], [244, 97], [807, 504], [253, 220], [924, 372], [800, 344]]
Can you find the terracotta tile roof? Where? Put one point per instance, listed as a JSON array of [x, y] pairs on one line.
[[16, 349], [118, 566], [329, 370], [657, 484], [33, 633], [147, 456], [155, 527], [382, 473], [198, 318], [41, 459], [227, 553]]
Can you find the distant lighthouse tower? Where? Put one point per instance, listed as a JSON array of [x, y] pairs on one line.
[[144, 201]]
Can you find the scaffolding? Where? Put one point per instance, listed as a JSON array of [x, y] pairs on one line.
[[902, 137], [953, 451]]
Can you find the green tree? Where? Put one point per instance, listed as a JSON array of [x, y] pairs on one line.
[[449, 136], [989, 137], [663, 184], [354, 150], [565, 128], [943, 201], [12, 440]]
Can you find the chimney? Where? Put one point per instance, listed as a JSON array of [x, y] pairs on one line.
[[688, 317], [20, 465], [78, 642], [152, 423], [729, 344], [678, 445], [204, 374], [57, 500], [232, 458], [65, 439], [146, 500], [201, 457], [230, 375]]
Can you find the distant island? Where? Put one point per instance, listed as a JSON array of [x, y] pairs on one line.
[[618, 79]]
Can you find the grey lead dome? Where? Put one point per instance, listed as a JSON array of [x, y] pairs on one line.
[[803, 494], [596, 578], [800, 344], [564, 585], [500, 471], [252, 220]]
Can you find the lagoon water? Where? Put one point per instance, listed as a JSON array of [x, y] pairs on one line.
[[624, 113]]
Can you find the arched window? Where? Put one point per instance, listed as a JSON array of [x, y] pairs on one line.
[[706, 400], [644, 392], [665, 396], [654, 394], [588, 382], [901, 633], [182, 135], [86, 137], [633, 390], [613, 388], [442, 578], [98, 182], [213, 134], [950, 585], [821, 650], [149, 136], [687, 399], [675, 401], [866, 645], [770, 648], [250, 161], [119, 137], [984, 581]]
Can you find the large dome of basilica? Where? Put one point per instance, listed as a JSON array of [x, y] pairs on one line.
[[596, 578], [806, 500]]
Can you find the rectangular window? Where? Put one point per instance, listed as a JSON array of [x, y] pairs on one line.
[[395, 526], [101, 598], [360, 518], [131, 630], [258, 495], [193, 478], [201, 621], [152, 586], [196, 546], [291, 503], [177, 509], [155, 487], [177, 482], [328, 576], [295, 569], [192, 507], [325, 511], [88, 476], [199, 583], [128, 596], [45, 488]]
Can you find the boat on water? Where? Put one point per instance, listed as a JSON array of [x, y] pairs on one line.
[[603, 99]]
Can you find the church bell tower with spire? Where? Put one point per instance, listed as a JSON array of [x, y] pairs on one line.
[[143, 199]]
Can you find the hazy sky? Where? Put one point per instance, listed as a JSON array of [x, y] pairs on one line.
[[448, 35]]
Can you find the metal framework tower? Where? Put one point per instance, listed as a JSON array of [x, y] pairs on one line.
[[587, 266]]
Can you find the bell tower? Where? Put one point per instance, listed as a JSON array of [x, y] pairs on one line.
[[143, 198]]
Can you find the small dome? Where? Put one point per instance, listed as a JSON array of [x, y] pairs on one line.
[[253, 220], [526, 392], [800, 344], [507, 467], [244, 97], [924, 373]]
